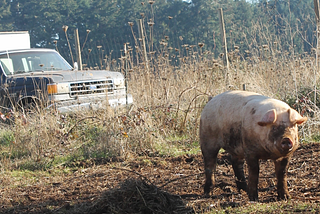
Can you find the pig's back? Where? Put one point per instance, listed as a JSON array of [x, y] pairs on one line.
[[229, 107], [233, 106]]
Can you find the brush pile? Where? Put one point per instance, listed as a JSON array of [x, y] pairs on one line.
[[137, 196]]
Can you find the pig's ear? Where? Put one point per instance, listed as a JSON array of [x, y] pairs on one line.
[[295, 117], [269, 118]]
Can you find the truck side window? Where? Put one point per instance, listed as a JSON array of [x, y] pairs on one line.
[[18, 65], [7, 65]]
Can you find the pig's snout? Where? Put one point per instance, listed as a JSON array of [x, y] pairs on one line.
[[286, 144]]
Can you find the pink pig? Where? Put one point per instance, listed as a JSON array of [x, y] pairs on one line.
[[249, 126]]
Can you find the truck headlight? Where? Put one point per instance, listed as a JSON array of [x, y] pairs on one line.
[[119, 83], [60, 88]]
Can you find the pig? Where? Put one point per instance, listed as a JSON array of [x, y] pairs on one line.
[[249, 126]]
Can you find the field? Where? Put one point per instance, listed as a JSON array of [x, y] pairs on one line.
[[161, 185], [146, 158]]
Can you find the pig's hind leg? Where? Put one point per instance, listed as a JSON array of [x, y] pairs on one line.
[[210, 151], [237, 165]]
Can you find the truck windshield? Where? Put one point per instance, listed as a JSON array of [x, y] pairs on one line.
[[32, 61]]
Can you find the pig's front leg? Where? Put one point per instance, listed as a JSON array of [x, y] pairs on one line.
[[237, 165], [253, 168], [281, 167]]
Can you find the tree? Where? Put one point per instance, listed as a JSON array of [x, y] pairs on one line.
[[5, 16], [177, 22]]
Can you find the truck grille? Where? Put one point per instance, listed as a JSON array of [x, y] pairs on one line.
[[92, 87]]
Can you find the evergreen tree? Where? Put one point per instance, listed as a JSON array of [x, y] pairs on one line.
[[5, 16], [177, 22]]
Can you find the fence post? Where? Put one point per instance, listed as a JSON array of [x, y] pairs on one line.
[[148, 80], [225, 48], [141, 32], [244, 87], [126, 71], [317, 11], [78, 50]]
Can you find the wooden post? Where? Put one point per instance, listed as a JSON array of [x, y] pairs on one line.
[[78, 50], [141, 35], [317, 11], [225, 48], [244, 87], [126, 72]]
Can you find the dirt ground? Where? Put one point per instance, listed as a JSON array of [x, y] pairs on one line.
[[155, 185]]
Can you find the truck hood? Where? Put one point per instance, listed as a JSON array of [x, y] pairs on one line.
[[74, 76]]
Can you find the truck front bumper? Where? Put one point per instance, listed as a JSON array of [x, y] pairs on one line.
[[84, 103]]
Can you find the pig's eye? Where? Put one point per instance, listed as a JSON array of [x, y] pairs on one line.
[[277, 131]]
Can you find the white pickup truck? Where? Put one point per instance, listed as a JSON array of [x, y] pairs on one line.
[[42, 77]]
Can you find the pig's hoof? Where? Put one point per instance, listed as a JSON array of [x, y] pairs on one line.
[[207, 192], [241, 185], [207, 195], [253, 198], [284, 197], [207, 188]]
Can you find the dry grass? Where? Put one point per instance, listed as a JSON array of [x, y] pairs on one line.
[[168, 100]]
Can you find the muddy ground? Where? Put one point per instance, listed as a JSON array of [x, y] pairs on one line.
[[155, 185]]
